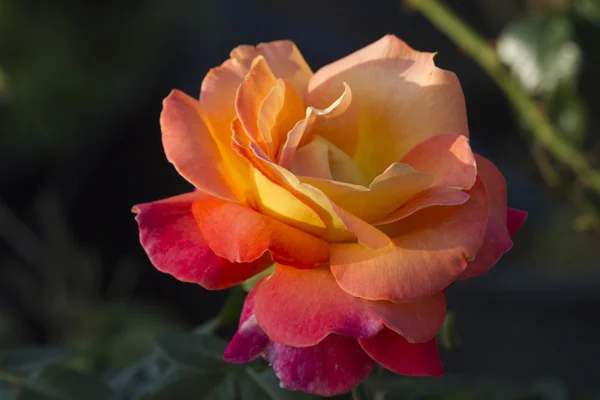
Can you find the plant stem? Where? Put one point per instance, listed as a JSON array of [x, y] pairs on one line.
[[535, 120], [360, 393]]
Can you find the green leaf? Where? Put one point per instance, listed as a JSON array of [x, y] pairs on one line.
[[447, 336], [184, 384], [139, 378], [192, 350], [61, 384], [229, 314], [249, 284], [541, 52], [7, 391], [265, 385], [20, 361], [569, 113]]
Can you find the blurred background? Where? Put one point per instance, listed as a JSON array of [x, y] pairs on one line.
[[81, 86]]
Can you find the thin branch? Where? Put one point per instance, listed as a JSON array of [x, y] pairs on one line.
[[533, 118]]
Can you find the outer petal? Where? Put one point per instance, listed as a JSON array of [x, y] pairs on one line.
[[175, 245], [393, 352], [430, 249], [240, 234], [332, 367], [310, 306], [400, 99], [515, 220], [190, 146], [447, 157], [497, 238], [249, 340], [436, 196]]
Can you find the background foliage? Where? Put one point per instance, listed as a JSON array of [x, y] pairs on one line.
[[84, 315]]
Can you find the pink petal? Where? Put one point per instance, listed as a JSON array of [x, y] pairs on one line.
[[436, 196], [429, 250], [395, 353], [301, 307], [497, 238], [447, 157], [249, 340], [175, 245], [334, 366]]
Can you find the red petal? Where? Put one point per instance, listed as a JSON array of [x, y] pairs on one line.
[[496, 241], [515, 220], [334, 366], [249, 340], [395, 353], [174, 243], [240, 234]]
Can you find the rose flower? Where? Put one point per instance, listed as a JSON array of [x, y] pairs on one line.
[[357, 181]]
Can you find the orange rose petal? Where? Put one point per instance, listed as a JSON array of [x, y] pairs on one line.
[[436, 196], [301, 133], [240, 234], [388, 191], [253, 90], [400, 99], [312, 160], [220, 85], [191, 148], [430, 250], [217, 96], [447, 157], [174, 243], [497, 238], [365, 233], [278, 114], [287, 63], [396, 354]]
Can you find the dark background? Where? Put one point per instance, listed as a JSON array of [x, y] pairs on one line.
[[81, 87]]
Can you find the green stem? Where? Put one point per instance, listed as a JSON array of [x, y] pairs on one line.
[[535, 120], [360, 393]]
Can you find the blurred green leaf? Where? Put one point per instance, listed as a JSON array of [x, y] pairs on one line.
[[19, 361], [249, 284], [185, 384], [7, 392], [588, 9], [195, 351], [62, 384], [569, 113], [229, 314], [540, 51], [265, 385], [142, 376], [448, 336]]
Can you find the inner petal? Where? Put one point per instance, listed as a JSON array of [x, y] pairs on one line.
[[322, 159]]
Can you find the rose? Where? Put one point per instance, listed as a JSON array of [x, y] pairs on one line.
[[357, 181]]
